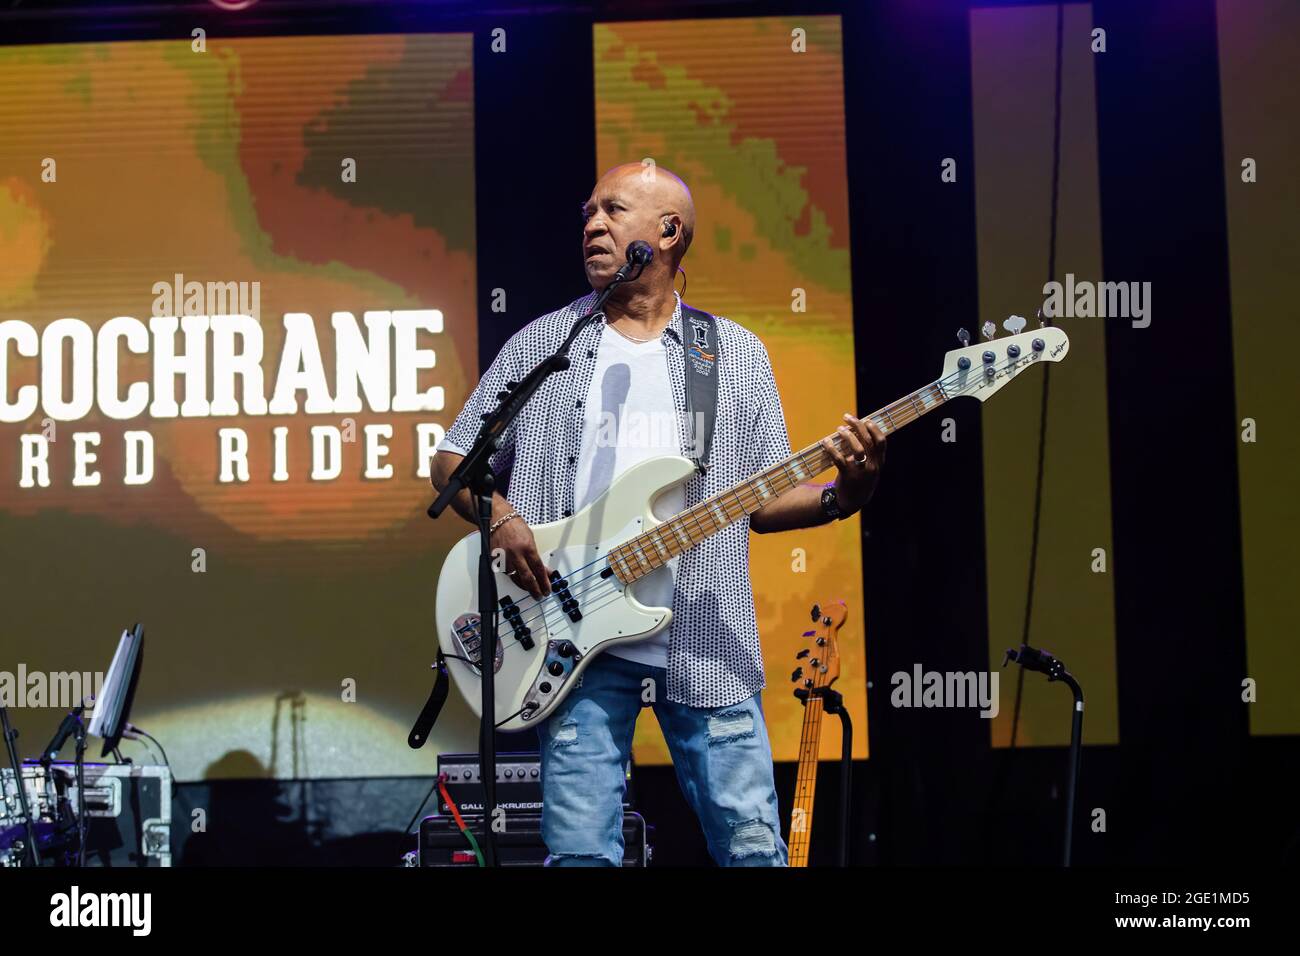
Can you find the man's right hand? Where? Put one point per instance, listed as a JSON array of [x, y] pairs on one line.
[[522, 562], [514, 537]]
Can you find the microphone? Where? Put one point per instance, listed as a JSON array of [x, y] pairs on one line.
[[1030, 658], [639, 255], [640, 252]]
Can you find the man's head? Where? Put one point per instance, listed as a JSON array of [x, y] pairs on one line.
[[636, 201]]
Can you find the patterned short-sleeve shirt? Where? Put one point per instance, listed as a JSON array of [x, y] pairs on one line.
[[714, 658]]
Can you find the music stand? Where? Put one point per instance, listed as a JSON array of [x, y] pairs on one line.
[[114, 704]]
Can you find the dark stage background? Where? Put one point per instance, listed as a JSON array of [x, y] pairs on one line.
[[1143, 455]]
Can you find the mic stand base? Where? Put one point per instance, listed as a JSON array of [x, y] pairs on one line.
[[475, 474], [1076, 758], [487, 749], [81, 792], [1030, 658]]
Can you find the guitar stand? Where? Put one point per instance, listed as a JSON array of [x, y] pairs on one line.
[[833, 703]]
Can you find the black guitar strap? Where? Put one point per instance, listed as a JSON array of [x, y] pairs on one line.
[[700, 343], [432, 707]]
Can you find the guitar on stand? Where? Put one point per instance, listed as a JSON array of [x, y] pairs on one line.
[[813, 678]]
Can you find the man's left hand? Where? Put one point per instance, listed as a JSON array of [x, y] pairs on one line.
[[859, 463]]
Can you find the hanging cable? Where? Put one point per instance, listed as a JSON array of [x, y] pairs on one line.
[[1047, 378], [999, 784], [455, 813]]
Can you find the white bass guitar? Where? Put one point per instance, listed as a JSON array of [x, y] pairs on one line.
[[598, 555]]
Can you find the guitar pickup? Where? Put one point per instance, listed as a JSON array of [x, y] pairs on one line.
[[568, 603], [523, 633]]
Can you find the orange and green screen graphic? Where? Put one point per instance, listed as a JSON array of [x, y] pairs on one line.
[[750, 113], [258, 503]]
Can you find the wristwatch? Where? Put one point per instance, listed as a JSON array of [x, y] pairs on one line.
[[830, 504]]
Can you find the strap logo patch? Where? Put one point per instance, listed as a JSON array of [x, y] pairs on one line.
[[701, 348]]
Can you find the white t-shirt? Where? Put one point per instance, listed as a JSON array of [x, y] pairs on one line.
[[629, 417]]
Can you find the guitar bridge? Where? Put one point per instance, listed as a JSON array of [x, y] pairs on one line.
[[467, 634]]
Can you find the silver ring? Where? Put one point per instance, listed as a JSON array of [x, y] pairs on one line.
[[512, 572]]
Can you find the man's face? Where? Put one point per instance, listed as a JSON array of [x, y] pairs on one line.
[[616, 214]]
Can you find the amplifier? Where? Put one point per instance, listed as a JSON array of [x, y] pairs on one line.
[[519, 783], [443, 845]]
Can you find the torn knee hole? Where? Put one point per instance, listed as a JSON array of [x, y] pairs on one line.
[[729, 726], [564, 733], [752, 838]]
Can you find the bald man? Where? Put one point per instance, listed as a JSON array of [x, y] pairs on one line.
[[620, 403]]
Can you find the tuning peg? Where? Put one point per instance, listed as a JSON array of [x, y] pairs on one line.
[[1042, 321], [963, 337], [989, 330], [816, 612], [802, 654], [798, 672], [1014, 324]]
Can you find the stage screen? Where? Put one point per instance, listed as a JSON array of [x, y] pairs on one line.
[[248, 489], [253, 489], [758, 135], [1260, 81], [1013, 65]]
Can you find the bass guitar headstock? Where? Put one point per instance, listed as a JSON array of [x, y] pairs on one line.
[[819, 662], [981, 370]]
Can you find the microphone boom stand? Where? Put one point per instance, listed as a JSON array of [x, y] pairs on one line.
[[1035, 660], [475, 474]]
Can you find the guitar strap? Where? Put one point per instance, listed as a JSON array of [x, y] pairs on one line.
[[700, 343], [432, 707]]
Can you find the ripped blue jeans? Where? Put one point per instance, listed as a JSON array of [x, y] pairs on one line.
[[722, 758]]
